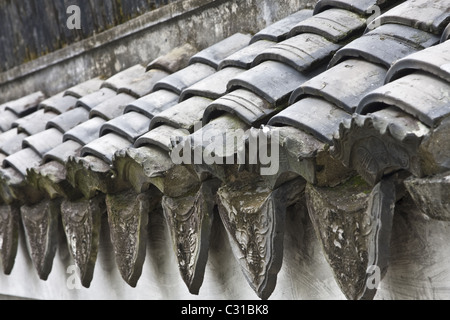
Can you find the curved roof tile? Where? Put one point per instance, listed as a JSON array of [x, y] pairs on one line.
[[212, 87], [423, 96], [314, 116], [92, 100], [68, 120], [154, 103], [421, 14], [130, 126], [85, 132], [175, 60], [245, 104], [358, 6], [184, 78], [26, 105], [375, 48], [301, 52], [183, 115], [434, 60], [343, 85], [334, 24], [280, 30], [44, 141], [271, 80], [244, 58], [213, 55], [113, 107], [105, 147]]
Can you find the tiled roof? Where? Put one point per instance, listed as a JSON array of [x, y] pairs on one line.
[[338, 100]]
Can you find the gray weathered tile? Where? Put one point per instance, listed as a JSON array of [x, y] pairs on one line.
[[333, 24], [175, 60], [154, 103], [105, 147], [279, 30], [41, 223], [9, 235], [23, 160], [160, 136], [416, 37], [123, 78], [244, 57], [35, 122], [44, 141], [358, 6], [59, 103], [68, 120], [313, 115], [6, 119], [301, 52], [85, 88], [431, 195], [407, 93], [241, 103], [185, 78], [112, 107], [11, 141], [418, 14], [142, 84], [26, 105], [63, 151], [214, 54], [86, 132], [434, 60], [381, 142], [183, 115], [271, 80], [446, 34], [375, 48], [343, 85], [212, 87], [90, 101], [131, 126]]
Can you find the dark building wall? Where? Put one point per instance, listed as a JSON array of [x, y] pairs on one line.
[[142, 39], [33, 28]]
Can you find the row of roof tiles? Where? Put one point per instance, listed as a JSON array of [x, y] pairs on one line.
[[90, 139]]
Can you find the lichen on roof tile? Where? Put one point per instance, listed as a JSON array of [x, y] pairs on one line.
[[279, 30], [131, 126], [68, 120], [26, 105], [420, 14], [154, 103], [86, 131], [333, 24], [214, 54], [434, 60], [358, 6]]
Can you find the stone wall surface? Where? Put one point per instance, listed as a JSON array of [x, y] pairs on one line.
[[31, 29], [140, 40]]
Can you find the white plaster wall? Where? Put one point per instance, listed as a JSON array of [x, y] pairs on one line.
[[419, 267]]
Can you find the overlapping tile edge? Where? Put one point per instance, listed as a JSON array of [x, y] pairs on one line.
[[337, 155]]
